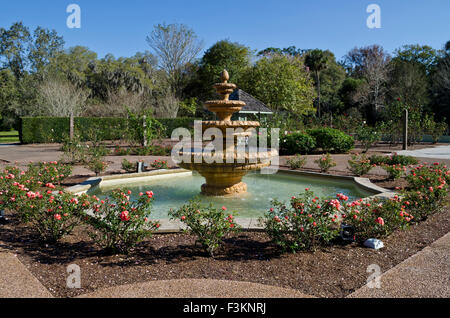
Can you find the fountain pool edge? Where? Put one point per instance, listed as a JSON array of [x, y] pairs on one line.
[[173, 226]]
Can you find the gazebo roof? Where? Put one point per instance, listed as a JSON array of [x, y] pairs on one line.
[[252, 105]]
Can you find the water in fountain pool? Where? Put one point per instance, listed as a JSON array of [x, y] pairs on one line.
[[173, 192]]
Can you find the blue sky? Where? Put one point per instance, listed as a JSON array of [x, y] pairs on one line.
[[120, 27]]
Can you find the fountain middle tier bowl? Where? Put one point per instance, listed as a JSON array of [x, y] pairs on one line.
[[234, 155], [223, 125], [224, 108]]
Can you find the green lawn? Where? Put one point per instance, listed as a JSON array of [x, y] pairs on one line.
[[9, 136]]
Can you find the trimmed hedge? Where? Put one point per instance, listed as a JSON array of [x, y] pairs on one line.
[[297, 143], [54, 129], [332, 140]]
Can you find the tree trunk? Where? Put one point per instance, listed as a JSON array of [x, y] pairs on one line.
[[144, 124], [71, 126], [318, 92]]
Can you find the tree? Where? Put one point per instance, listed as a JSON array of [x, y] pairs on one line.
[[441, 86], [408, 81], [13, 48], [110, 74], [72, 64], [9, 96], [282, 83], [371, 64], [317, 61], [233, 57], [331, 81], [45, 45], [291, 51], [175, 45], [60, 98], [422, 54]]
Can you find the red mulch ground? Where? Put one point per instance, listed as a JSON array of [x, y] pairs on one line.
[[249, 256]]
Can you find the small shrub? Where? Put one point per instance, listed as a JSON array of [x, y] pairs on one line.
[[74, 150], [396, 159], [156, 150], [436, 130], [120, 151], [368, 137], [359, 165], [394, 171], [159, 164], [120, 223], [332, 140], [305, 224], [97, 165], [128, 166], [325, 162], [152, 150], [393, 159], [208, 224], [297, 143], [378, 160], [297, 162]]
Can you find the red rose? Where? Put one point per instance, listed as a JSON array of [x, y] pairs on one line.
[[124, 216]]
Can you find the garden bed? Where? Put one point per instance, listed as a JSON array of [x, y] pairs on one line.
[[330, 272]]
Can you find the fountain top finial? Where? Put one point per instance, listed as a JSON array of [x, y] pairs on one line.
[[224, 107], [225, 77]]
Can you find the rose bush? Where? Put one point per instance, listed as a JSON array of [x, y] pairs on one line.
[[129, 166], [296, 162], [427, 189], [394, 171], [375, 218], [304, 224], [53, 214], [119, 224], [159, 164], [52, 171], [208, 224], [325, 162], [359, 165]]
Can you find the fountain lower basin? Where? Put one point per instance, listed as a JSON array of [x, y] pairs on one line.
[[172, 190]]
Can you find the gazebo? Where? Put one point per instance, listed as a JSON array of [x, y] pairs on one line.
[[253, 106]]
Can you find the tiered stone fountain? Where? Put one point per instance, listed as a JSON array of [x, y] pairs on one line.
[[226, 178]]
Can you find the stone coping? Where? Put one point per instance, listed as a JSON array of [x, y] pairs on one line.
[[173, 226]]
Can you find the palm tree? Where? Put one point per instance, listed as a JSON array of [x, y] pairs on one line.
[[317, 61]]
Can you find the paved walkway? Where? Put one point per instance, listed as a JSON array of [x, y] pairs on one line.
[[196, 288], [16, 281], [438, 152], [425, 274]]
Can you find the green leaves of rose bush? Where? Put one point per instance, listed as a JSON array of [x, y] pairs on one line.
[[208, 224]]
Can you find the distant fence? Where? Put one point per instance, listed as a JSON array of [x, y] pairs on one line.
[[55, 129], [427, 138]]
